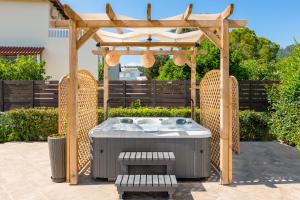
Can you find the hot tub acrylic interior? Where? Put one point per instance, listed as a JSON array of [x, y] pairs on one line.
[[189, 141]]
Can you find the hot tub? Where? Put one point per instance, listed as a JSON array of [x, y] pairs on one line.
[[189, 141]]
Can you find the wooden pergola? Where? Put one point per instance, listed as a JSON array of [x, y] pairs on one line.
[[150, 35]]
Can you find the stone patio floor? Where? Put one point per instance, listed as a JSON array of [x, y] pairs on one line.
[[263, 170]]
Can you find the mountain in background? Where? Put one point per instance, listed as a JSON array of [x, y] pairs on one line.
[[282, 53]]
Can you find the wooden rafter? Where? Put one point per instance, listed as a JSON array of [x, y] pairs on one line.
[[74, 16], [85, 37], [185, 16], [149, 12], [149, 24], [147, 44], [112, 16], [212, 37], [210, 32], [201, 38], [227, 12], [141, 52]]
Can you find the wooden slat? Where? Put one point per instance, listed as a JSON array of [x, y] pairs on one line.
[[137, 179], [149, 155], [127, 156], [121, 156], [144, 155], [155, 156], [143, 180], [160, 155], [124, 180], [161, 180], [119, 180], [138, 155], [171, 156], [167, 181], [155, 180], [132, 155], [173, 180], [149, 180], [130, 181], [166, 155]]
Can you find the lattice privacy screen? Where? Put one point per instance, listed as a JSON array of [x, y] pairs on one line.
[[87, 103], [234, 86], [210, 112]]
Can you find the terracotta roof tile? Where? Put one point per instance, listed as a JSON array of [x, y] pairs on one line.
[[13, 51]]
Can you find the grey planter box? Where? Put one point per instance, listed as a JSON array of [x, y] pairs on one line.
[[57, 153]]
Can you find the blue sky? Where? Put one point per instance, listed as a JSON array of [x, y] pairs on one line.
[[278, 20]]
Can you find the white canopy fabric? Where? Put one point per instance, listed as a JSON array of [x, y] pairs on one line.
[[156, 34]]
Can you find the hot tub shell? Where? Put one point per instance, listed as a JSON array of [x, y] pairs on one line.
[[191, 147]]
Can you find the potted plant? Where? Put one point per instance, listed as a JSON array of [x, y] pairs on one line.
[[57, 153]]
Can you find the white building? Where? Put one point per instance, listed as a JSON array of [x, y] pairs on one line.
[[131, 73], [25, 30]]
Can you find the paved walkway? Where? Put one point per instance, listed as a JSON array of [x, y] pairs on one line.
[[263, 170]]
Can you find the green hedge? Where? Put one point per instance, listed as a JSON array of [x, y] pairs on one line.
[[28, 124], [148, 112], [37, 124], [254, 126]]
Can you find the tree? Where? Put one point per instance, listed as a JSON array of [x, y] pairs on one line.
[[285, 100], [256, 70], [100, 71], [244, 46], [153, 72], [23, 68], [249, 46], [172, 72]]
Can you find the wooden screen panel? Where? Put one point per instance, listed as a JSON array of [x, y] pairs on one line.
[[235, 115], [210, 112], [87, 114]]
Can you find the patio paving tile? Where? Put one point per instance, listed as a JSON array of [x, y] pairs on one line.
[[263, 171]]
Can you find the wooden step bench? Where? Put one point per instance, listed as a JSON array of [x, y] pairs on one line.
[[146, 183], [147, 158]]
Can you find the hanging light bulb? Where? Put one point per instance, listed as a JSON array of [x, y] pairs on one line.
[[112, 58], [148, 59], [179, 58]]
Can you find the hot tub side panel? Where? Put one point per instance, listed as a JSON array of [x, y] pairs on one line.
[[192, 154]]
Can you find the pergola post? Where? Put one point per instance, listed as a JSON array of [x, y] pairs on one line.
[[72, 105], [105, 87], [193, 83], [225, 132]]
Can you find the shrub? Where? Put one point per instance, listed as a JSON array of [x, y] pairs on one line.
[[23, 68], [285, 101], [38, 124], [254, 126], [148, 112], [4, 127], [30, 124]]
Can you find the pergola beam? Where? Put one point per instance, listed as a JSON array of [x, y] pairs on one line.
[[141, 52], [227, 12], [75, 17], [85, 37], [149, 24], [212, 37], [185, 16], [149, 12], [112, 16], [147, 44]]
